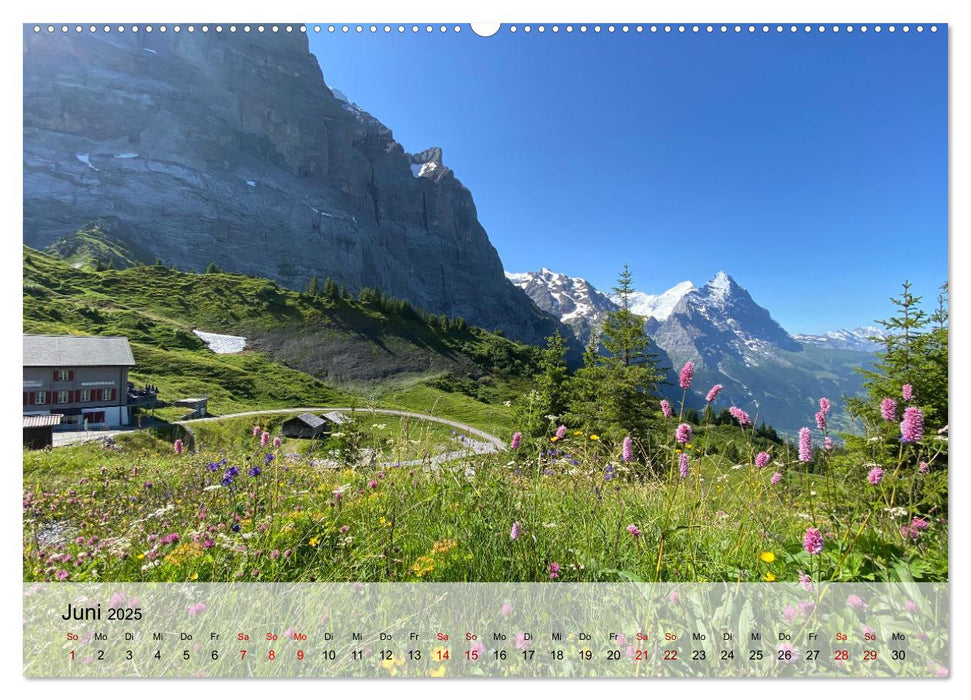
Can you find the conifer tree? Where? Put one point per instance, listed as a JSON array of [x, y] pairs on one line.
[[552, 382]]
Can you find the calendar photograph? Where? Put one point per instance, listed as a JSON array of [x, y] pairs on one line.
[[544, 307]]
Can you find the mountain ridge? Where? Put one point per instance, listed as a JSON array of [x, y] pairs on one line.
[[732, 341]]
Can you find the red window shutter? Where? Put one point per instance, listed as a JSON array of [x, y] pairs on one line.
[[26, 397], [70, 375], [70, 396], [114, 394]]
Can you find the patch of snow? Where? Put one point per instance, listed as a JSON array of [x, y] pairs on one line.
[[76, 266], [222, 344], [517, 277], [659, 306], [125, 156], [86, 159], [416, 169], [427, 169], [251, 183]]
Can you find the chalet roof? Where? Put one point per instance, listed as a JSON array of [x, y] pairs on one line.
[[308, 419], [42, 421], [336, 417], [76, 351]]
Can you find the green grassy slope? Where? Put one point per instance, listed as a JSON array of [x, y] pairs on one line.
[[301, 349]]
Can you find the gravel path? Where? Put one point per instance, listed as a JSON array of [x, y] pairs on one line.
[[486, 444]]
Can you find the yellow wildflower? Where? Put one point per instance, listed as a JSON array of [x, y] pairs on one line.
[[194, 576], [314, 541], [578, 432], [767, 557], [595, 437], [437, 672], [769, 576], [554, 439]]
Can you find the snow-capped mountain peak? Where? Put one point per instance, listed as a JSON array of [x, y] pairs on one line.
[[659, 306], [846, 339]]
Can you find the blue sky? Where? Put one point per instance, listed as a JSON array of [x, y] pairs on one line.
[[810, 167]]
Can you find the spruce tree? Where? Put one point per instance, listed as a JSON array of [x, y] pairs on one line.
[[552, 382], [914, 352]]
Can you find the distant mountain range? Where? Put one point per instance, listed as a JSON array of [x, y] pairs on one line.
[[731, 339]]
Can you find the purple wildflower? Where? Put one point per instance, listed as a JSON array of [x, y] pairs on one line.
[[683, 465], [924, 468], [762, 459], [277, 442], [912, 426], [741, 416], [256, 430], [812, 541], [875, 476], [888, 409], [609, 472], [687, 374], [666, 408], [907, 391], [776, 478], [514, 533], [554, 570], [264, 439], [855, 602], [196, 608], [828, 443], [517, 438], [713, 393], [820, 420], [561, 432], [824, 405], [268, 457], [177, 445], [806, 581], [683, 433], [628, 450], [634, 530], [255, 471], [805, 445]]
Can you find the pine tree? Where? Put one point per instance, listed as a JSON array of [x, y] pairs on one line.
[[623, 334], [330, 289], [212, 269], [912, 354], [313, 287], [552, 382]]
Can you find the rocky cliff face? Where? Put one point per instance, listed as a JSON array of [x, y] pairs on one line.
[[230, 149]]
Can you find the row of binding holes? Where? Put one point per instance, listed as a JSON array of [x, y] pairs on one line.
[[428, 28]]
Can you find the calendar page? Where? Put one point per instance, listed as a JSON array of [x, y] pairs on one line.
[[516, 350]]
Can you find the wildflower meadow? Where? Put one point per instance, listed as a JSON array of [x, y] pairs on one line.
[[682, 502]]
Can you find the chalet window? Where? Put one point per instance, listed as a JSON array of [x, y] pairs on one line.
[[63, 375], [85, 395], [112, 394], [40, 398], [63, 396]]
